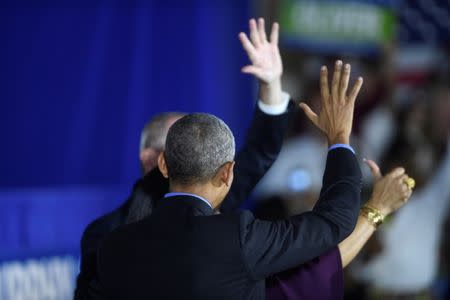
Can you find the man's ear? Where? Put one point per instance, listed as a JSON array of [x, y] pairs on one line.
[[226, 173], [162, 165]]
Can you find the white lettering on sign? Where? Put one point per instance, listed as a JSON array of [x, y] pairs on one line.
[[38, 279], [358, 21]]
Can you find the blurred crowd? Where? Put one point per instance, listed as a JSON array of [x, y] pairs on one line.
[[402, 118]]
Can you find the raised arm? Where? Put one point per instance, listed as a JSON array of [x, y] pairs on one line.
[[389, 194], [271, 247], [270, 120], [323, 275]]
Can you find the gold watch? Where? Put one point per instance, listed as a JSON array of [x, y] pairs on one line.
[[373, 215]]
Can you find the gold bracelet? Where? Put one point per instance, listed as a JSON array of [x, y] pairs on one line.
[[373, 215]]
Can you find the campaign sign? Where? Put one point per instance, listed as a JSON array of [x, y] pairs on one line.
[[343, 26]]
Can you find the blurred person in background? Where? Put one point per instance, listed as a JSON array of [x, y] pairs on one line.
[[402, 117], [408, 263], [153, 139]]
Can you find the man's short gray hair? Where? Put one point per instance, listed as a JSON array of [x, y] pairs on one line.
[[197, 145], [155, 131]]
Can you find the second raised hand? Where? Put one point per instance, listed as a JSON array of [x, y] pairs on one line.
[[336, 116], [266, 64]]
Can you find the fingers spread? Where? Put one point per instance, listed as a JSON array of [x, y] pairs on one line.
[[324, 90], [374, 168], [247, 45], [344, 83], [274, 34], [336, 80], [254, 35], [355, 90], [310, 114], [262, 30]]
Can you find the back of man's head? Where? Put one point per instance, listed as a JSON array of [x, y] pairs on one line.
[[197, 146]]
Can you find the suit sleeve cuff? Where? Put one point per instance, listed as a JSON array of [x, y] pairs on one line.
[[275, 109], [345, 146]]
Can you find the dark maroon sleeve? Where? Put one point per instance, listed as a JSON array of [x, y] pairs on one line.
[[321, 278]]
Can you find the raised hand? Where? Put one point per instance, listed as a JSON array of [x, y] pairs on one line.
[[264, 55], [336, 116], [390, 192], [266, 64]]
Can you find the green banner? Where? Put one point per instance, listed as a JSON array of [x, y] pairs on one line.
[[343, 22]]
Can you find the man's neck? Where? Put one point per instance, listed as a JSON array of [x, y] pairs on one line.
[[203, 190]]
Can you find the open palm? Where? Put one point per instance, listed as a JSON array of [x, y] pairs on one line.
[[264, 55]]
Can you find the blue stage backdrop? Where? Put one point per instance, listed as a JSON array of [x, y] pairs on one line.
[[78, 82]]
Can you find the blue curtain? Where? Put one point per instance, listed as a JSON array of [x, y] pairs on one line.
[[78, 82]]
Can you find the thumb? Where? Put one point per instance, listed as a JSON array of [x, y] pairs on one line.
[[310, 114], [374, 168], [250, 69]]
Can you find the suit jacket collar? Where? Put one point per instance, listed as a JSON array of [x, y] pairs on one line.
[[187, 200], [172, 194]]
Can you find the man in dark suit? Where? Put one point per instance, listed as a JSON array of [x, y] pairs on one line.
[[185, 251], [261, 147]]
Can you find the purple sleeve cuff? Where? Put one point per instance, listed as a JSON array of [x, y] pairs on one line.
[[320, 278], [335, 146]]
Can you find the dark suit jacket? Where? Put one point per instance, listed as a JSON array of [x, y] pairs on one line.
[[184, 251], [261, 147]]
